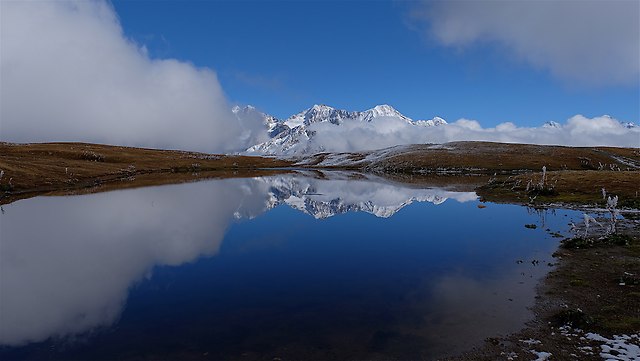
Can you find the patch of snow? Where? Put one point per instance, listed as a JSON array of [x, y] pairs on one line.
[[531, 341], [442, 146], [624, 347], [626, 161], [542, 356], [434, 122]]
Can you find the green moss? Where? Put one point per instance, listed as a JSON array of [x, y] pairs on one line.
[[577, 242], [574, 318], [621, 324], [619, 239], [6, 188], [610, 309], [576, 282], [609, 240], [630, 203]]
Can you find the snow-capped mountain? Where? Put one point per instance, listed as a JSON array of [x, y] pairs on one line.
[[436, 121], [325, 113], [551, 124], [293, 135], [322, 128]]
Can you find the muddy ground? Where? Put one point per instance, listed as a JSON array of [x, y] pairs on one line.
[[592, 294]]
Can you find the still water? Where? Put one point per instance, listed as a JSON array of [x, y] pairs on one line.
[[285, 266]]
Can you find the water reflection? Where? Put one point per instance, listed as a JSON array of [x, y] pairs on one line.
[[70, 264]]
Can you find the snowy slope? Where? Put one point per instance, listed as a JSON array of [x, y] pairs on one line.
[[293, 136], [322, 128]]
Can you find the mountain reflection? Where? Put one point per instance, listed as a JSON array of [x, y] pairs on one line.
[[67, 263]]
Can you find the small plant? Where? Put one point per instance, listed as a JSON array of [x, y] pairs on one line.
[[612, 204], [195, 167], [542, 188], [587, 220], [544, 177], [574, 318], [588, 242], [92, 156], [577, 242], [6, 187]]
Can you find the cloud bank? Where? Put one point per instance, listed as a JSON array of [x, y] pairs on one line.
[[387, 131], [69, 74], [591, 42]]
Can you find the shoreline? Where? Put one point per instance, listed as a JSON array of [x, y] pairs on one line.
[[501, 173], [580, 296], [587, 307]]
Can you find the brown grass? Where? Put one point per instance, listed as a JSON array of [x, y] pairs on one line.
[[486, 157], [566, 187], [576, 174], [36, 168]]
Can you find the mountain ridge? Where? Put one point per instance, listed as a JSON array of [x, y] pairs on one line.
[[318, 128], [289, 136]]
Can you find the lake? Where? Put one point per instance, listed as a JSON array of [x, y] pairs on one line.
[[330, 266]]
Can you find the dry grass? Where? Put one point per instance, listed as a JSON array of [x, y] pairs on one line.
[[577, 174], [486, 157], [36, 168], [566, 187]]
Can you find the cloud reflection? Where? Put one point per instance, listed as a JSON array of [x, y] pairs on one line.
[[67, 263]]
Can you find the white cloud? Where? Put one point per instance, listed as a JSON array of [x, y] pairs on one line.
[[69, 74], [386, 132], [593, 42]]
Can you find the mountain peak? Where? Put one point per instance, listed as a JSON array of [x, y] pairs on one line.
[[294, 134], [319, 107], [552, 124], [382, 110], [433, 122], [245, 109]]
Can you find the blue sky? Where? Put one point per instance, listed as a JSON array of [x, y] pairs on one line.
[[285, 56], [164, 74]]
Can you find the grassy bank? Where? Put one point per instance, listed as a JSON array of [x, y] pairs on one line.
[[31, 169], [588, 305], [499, 172], [570, 187]]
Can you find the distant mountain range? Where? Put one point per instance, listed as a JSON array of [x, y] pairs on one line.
[[291, 136], [294, 135]]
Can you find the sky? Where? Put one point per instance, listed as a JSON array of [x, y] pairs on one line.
[[165, 74], [285, 56]]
